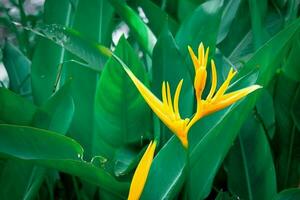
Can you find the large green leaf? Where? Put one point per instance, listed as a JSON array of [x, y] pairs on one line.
[[121, 115], [217, 139], [295, 111], [14, 177], [229, 12], [258, 10], [250, 167], [265, 112], [187, 6], [55, 115], [167, 172], [241, 24], [287, 133], [291, 67], [53, 150], [13, 180], [48, 56], [17, 66], [93, 26], [143, 34]]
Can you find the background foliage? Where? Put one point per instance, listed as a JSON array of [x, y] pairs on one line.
[[73, 126]]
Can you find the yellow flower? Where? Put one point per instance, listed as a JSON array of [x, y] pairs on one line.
[[167, 110], [215, 100], [141, 173]]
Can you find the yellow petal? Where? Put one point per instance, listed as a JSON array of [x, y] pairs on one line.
[[201, 54], [206, 56], [169, 97], [141, 173], [229, 99], [155, 104], [176, 99], [164, 95], [200, 81], [213, 80], [194, 58], [225, 85]]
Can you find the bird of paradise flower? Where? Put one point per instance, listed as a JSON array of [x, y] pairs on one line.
[[168, 110]]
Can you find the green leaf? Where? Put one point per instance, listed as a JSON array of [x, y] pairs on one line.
[[14, 179], [266, 113], [48, 56], [93, 27], [238, 32], [249, 166], [289, 194], [11, 103], [291, 67], [126, 159], [37, 146], [55, 115], [228, 15], [119, 108], [295, 111], [17, 66], [287, 134], [258, 11], [143, 34], [185, 7], [167, 172]]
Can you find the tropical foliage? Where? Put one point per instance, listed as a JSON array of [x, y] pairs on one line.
[[80, 106]]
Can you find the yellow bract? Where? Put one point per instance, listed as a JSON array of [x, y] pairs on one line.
[[141, 173], [168, 111]]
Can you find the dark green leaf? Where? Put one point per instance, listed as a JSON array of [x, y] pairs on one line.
[[48, 56], [121, 115], [229, 13], [295, 111], [291, 67], [289, 194], [167, 171], [94, 28], [258, 10], [55, 151], [10, 104], [250, 167], [266, 113], [287, 134], [17, 66]]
